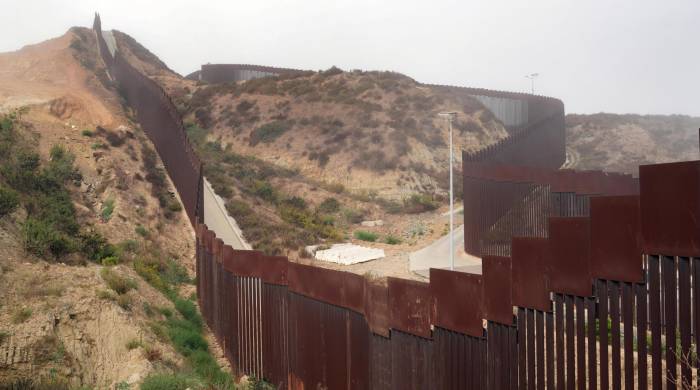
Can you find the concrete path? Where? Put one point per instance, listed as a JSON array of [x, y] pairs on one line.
[[437, 255], [217, 219]]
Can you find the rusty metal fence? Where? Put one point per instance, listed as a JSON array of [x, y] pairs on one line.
[[580, 308], [161, 122], [589, 280], [504, 201]]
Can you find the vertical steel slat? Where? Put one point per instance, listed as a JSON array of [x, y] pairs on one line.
[[614, 289], [580, 344], [513, 353], [696, 313], [668, 271], [539, 333], [549, 346], [558, 312], [530, 349], [628, 338], [641, 291], [570, 351], [655, 321], [491, 352], [684, 316], [522, 349], [602, 289], [592, 361]]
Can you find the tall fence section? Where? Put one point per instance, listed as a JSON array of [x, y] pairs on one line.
[[590, 280], [161, 122]]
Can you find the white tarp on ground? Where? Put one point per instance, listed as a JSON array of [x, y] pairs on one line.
[[347, 254], [437, 255]]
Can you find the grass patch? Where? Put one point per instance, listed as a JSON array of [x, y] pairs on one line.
[[87, 133], [9, 200], [133, 344], [270, 132], [141, 231], [365, 235], [165, 381], [21, 315], [4, 336], [117, 283], [392, 240], [107, 210]]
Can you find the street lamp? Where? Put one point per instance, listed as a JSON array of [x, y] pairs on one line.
[[532, 77], [449, 116]]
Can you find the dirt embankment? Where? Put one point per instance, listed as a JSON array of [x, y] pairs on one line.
[[62, 320]]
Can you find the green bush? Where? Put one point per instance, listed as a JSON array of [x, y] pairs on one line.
[[163, 381], [269, 132], [41, 239], [133, 344], [366, 236], [189, 311], [96, 248], [107, 210], [420, 203], [110, 261], [120, 284], [141, 231], [391, 240], [186, 337], [21, 315], [87, 133], [9, 200], [329, 205]]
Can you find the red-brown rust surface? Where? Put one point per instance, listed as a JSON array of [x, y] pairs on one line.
[[670, 208], [498, 305], [459, 301], [569, 259], [411, 306], [616, 252], [529, 273]]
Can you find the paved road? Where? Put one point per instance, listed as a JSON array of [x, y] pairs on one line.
[[437, 255], [217, 219]]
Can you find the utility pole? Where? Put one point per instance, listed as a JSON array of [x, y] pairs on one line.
[[449, 116], [532, 77]]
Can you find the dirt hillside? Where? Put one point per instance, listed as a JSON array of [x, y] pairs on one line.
[[96, 253], [623, 142]]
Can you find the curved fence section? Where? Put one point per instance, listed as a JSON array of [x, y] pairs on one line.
[[162, 123]]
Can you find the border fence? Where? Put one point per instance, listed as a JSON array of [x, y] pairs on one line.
[[162, 123], [597, 303], [593, 283]]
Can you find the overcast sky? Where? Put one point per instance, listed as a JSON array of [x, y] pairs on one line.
[[596, 55]]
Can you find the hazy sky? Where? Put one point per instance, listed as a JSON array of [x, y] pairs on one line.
[[616, 56]]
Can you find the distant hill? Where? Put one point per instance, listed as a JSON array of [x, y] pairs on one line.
[[622, 142]]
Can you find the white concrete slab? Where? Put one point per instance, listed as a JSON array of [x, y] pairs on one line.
[[347, 254]]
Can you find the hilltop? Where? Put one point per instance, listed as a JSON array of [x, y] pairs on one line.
[[622, 142]]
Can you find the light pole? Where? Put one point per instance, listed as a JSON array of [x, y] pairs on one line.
[[532, 77], [449, 116]]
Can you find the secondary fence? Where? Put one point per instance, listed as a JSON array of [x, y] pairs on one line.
[[162, 123], [504, 201], [581, 308]]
